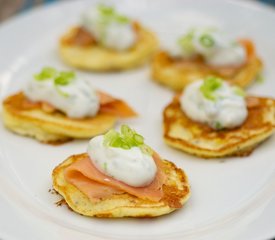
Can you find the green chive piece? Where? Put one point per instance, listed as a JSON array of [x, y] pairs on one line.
[[218, 126], [207, 40], [209, 86], [138, 139], [116, 142], [110, 137], [64, 78], [61, 81], [125, 146], [67, 75], [125, 139], [126, 131], [45, 74], [64, 94], [122, 19], [105, 10], [105, 166], [146, 149], [109, 14], [186, 42], [59, 78]]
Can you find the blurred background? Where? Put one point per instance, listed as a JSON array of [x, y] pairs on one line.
[[9, 8]]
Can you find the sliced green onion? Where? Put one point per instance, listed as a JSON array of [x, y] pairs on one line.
[[186, 42], [116, 142], [122, 19], [218, 126], [61, 81], [46, 73], [126, 131], [138, 139], [59, 78], [67, 75], [207, 40], [109, 14], [105, 10], [146, 149], [125, 146], [209, 86], [105, 166], [109, 137], [64, 78], [125, 139], [64, 94]]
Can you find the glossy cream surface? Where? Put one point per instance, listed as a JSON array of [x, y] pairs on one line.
[[213, 45], [78, 99], [109, 30], [228, 110], [130, 166]]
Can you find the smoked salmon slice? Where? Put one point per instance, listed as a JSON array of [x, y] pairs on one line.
[[95, 184], [117, 107], [249, 47], [250, 53]]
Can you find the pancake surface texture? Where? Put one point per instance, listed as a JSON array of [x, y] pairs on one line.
[[50, 127], [176, 73], [199, 139], [176, 193], [95, 57]]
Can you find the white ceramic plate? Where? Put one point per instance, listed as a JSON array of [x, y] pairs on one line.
[[227, 194]]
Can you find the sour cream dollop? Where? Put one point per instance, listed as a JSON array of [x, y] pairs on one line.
[[76, 98], [110, 29], [130, 166], [225, 107], [213, 45]]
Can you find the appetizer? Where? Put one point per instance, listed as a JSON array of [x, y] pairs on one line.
[[56, 106], [215, 119], [120, 176], [106, 40], [201, 52]]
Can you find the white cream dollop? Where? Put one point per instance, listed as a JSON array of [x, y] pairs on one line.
[[78, 99], [109, 31], [228, 110], [130, 166], [214, 46]]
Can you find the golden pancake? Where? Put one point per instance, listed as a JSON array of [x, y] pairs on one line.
[[92, 56], [199, 139], [176, 193], [50, 127], [177, 73]]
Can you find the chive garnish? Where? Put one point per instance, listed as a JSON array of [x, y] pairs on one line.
[[62, 78], [186, 42], [218, 126], [109, 14], [207, 40], [125, 139], [45, 74], [209, 86]]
